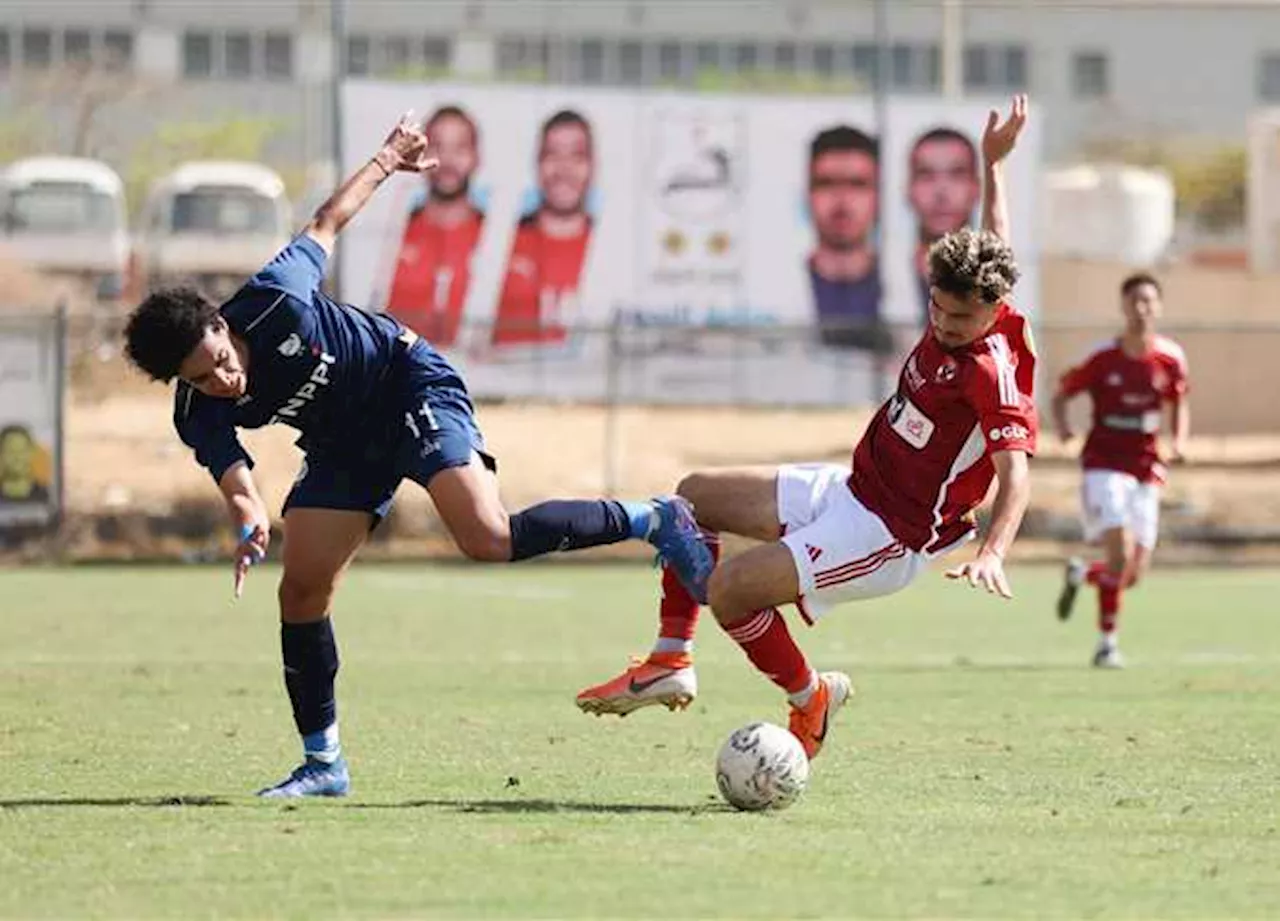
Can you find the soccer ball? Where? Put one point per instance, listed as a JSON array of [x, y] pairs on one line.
[[762, 766]]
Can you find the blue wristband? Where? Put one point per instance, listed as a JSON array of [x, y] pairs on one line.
[[246, 532]]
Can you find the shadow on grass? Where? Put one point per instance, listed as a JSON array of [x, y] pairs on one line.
[[517, 806], [54, 802]]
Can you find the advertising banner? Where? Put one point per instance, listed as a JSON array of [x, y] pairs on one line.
[[30, 395], [656, 246]]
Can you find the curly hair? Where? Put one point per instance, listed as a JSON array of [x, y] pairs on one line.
[[972, 261], [165, 328]]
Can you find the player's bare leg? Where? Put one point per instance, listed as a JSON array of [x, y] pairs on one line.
[[469, 504], [1109, 576], [319, 544], [745, 593], [1139, 563], [740, 501]]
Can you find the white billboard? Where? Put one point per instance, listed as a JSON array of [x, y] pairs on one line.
[[30, 415], [660, 246]]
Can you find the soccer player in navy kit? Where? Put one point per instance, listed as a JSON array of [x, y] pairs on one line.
[[374, 404]]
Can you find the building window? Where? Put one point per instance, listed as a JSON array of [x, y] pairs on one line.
[[671, 62], [277, 55], [915, 68], [824, 61], [197, 54], [6, 55], [977, 68], [745, 57], [706, 56], [437, 52], [995, 67], [237, 55], [1090, 76], [631, 71], [358, 64], [591, 61], [37, 48], [77, 46], [866, 65], [523, 55], [786, 57], [1269, 77], [396, 57], [117, 50]]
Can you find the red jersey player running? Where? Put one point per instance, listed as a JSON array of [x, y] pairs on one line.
[[961, 417], [1130, 380]]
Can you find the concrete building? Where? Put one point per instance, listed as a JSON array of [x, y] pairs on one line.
[[1098, 70]]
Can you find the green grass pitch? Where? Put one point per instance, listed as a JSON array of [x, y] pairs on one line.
[[984, 770]]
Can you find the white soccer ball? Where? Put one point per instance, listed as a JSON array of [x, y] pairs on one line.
[[762, 766]]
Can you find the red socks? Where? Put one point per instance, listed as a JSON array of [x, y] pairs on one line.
[[1109, 586], [765, 639], [678, 614]]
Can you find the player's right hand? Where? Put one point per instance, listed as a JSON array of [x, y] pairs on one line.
[[406, 148], [251, 551], [998, 139]]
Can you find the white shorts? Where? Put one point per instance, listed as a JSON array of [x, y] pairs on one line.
[[1113, 499], [842, 551]]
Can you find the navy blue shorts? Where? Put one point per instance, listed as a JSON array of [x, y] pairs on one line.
[[430, 427]]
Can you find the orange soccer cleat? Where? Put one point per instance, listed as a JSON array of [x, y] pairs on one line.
[[811, 722], [665, 678]]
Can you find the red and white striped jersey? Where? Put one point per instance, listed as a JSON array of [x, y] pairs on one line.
[[924, 463], [1128, 397]]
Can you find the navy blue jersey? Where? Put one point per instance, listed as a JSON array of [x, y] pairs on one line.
[[324, 368]]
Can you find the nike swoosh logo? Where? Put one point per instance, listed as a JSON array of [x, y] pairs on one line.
[[826, 721], [638, 687]]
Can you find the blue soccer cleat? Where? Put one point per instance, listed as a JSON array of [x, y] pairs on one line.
[[312, 778], [681, 545]]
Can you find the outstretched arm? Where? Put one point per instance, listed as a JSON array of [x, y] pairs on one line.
[[1012, 496], [404, 150], [998, 141], [248, 515]]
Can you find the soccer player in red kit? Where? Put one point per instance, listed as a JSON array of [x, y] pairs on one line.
[[1130, 381], [433, 266], [962, 416], [540, 292]]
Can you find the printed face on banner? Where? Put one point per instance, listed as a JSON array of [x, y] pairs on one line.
[[560, 212], [28, 423], [432, 267], [943, 190], [844, 206], [25, 466], [539, 295]]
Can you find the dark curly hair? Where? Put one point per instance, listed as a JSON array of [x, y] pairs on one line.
[[1137, 280], [973, 262], [165, 328]]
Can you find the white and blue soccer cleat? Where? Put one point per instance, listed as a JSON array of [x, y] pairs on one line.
[[312, 778], [681, 545]]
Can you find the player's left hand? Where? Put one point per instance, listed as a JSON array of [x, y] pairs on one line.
[[998, 140], [251, 551], [988, 571], [406, 148]]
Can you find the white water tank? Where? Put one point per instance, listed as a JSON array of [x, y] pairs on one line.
[[1108, 212]]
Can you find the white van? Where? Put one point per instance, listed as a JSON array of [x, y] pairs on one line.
[[213, 224], [65, 217]]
